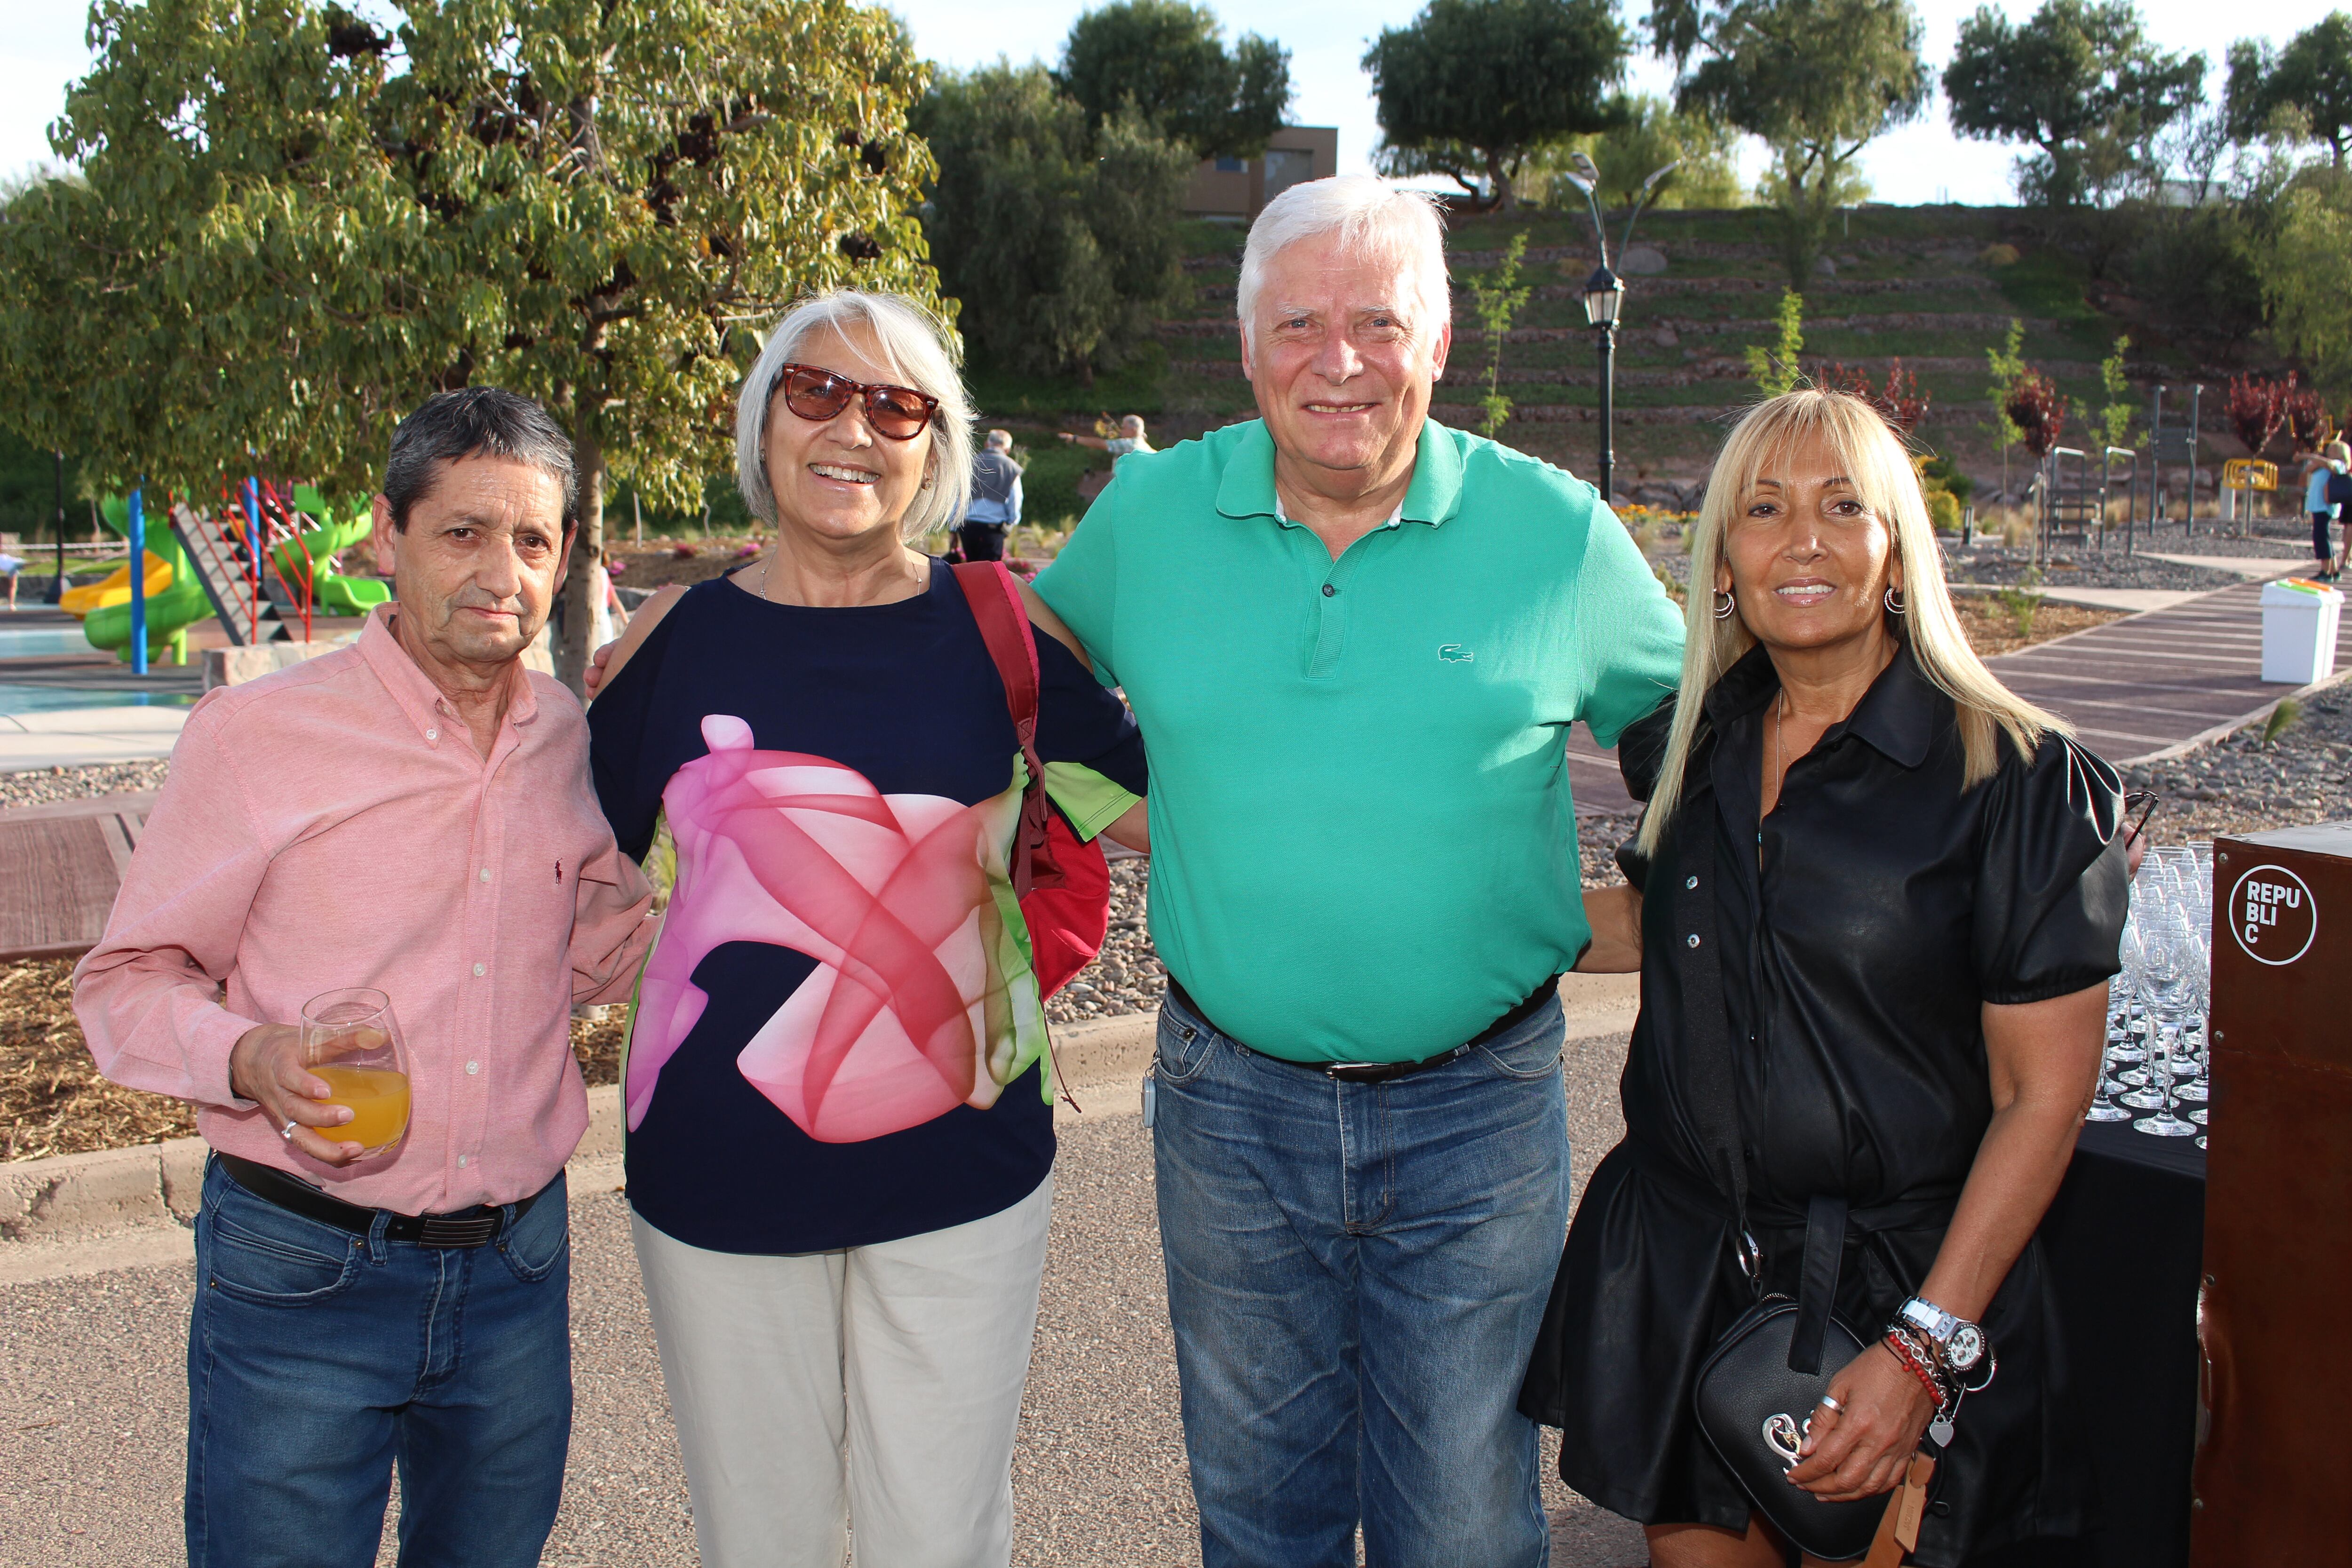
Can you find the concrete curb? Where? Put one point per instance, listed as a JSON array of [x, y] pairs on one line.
[[119, 1208]]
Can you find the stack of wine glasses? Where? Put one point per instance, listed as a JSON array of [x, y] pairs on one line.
[[2156, 1060]]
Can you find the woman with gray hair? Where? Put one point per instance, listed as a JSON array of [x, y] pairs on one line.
[[840, 1127]]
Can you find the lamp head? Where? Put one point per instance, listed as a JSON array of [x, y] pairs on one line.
[[1604, 292]]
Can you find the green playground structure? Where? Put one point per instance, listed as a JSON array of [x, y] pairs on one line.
[[169, 612], [304, 563]]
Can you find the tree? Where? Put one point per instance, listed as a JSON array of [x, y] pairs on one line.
[[295, 226], [1649, 135], [1775, 369], [1060, 242], [1168, 59], [2035, 407], [2116, 415], [1499, 296], [1817, 79], [2306, 276], [2007, 364], [2080, 82], [1471, 89], [2306, 87]]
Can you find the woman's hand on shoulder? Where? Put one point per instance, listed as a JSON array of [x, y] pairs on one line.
[[1862, 1449], [1041, 616], [606, 663]]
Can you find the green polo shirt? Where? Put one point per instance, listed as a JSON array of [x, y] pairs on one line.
[[1362, 844]]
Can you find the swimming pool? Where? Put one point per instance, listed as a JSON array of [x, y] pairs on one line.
[[52, 698], [37, 642]]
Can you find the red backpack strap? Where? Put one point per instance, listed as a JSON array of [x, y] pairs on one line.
[[1004, 619]]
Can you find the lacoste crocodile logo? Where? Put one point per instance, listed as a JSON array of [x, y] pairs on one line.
[[1455, 653]]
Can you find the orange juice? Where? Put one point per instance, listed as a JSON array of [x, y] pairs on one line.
[[379, 1100]]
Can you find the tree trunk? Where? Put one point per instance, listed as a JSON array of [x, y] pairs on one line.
[[573, 648], [1506, 198]]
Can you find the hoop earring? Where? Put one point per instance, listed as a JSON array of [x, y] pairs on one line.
[[1894, 600], [1725, 603]]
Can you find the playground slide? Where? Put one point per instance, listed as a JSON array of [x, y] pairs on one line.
[[116, 588], [175, 604], [331, 592]]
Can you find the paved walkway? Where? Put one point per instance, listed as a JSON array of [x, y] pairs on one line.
[[2185, 671], [93, 1396], [59, 869], [2152, 684]]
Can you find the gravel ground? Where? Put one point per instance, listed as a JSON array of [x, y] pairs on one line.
[[2240, 785], [2089, 569], [44, 786]]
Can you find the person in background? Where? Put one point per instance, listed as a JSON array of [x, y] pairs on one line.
[[2329, 465], [1356, 639], [995, 505], [411, 813], [1130, 438], [10, 566]]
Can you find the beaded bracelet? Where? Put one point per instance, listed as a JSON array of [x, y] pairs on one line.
[[1916, 1362]]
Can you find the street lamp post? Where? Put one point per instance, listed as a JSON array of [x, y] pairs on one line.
[[1604, 294], [1604, 297], [58, 583]]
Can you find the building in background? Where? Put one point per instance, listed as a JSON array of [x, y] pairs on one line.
[[1233, 190]]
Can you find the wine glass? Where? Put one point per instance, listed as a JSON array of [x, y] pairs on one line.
[[351, 1038], [2172, 960]]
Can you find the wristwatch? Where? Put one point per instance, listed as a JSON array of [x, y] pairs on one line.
[[1959, 1345]]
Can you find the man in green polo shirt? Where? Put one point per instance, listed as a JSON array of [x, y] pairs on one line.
[[1356, 640]]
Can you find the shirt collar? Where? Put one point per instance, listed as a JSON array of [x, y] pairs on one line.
[[413, 690], [1897, 716], [1434, 497]]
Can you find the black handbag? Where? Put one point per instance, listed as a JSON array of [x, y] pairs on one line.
[[1759, 1387]]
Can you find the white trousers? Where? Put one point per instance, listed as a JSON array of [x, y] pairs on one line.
[[876, 1389]]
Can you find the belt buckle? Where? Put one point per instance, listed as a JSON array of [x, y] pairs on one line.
[[449, 1231], [1340, 1072]]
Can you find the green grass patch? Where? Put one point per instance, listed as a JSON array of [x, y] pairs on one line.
[[1134, 388], [1050, 475]]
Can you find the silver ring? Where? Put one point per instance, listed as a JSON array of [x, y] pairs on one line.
[[1829, 1402], [287, 1132]]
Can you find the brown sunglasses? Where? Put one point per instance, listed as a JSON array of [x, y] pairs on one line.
[[900, 412]]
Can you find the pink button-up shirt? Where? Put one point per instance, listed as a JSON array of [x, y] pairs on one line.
[[333, 824]]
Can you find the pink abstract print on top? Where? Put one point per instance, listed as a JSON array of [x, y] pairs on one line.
[[922, 998]]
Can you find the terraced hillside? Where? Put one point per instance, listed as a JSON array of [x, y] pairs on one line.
[[1926, 285]]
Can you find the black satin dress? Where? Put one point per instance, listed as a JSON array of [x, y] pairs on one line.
[[1888, 905]]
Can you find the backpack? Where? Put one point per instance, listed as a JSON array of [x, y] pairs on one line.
[[2340, 489], [1062, 880]]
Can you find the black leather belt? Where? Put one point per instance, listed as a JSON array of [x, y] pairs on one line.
[[1387, 1072], [476, 1227]]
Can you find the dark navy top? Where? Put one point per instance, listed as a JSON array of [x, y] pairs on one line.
[[836, 1039]]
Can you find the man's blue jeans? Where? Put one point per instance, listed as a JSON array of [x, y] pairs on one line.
[[1356, 1273], [318, 1360]]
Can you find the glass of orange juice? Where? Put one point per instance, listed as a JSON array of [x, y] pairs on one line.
[[351, 1039]]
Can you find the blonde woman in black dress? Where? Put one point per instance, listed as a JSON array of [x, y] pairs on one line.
[[1918, 881]]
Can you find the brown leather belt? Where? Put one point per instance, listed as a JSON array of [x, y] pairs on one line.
[[1519, 1013], [470, 1227]]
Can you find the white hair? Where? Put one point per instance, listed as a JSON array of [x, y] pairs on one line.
[[1398, 227], [913, 345], [999, 440]]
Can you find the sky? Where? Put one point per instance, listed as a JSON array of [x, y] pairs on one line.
[[41, 51]]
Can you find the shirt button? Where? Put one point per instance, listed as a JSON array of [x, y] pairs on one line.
[[480, 970], [1328, 590], [461, 1162], [432, 734], [1693, 939], [1692, 883], [473, 1068], [486, 873]]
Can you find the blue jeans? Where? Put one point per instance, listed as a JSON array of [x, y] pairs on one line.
[[318, 1360], [1356, 1273]]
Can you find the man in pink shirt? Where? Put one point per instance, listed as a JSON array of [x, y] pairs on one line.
[[413, 815]]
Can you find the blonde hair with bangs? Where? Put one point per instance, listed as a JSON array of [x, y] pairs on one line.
[[1873, 456]]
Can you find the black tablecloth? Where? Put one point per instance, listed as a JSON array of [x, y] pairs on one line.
[[2125, 1242]]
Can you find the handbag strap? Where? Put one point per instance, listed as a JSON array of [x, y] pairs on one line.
[[1825, 1219], [1004, 620]]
